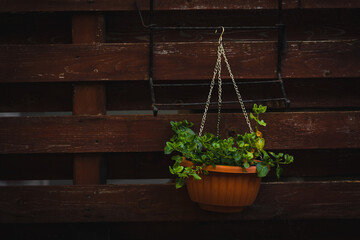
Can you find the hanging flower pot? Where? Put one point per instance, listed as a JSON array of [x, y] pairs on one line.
[[224, 188], [222, 174]]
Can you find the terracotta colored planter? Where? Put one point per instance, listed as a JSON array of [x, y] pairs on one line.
[[225, 188]]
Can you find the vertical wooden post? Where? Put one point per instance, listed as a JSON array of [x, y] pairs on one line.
[[89, 98]]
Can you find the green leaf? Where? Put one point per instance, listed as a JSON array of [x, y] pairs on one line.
[[262, 170], [197, 177], [246, 165], [260, 143], [178, 169], [262, 123], [279, 171], [179, 182], [252, 116], [168, 148]]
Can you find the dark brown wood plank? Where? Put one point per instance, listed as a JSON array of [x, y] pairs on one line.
[[88, 98], [112, 5], [144, 133], [174, 61], [162, 202], [75, 62]]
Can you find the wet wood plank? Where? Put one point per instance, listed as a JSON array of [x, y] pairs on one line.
[[134, 203], [144, 133]]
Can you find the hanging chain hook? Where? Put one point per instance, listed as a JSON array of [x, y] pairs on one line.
[[223, 29]]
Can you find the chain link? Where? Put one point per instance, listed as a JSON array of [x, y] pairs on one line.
[[217, 71], [222, 50]]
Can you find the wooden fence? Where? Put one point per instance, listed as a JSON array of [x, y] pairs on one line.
[[90, 58]]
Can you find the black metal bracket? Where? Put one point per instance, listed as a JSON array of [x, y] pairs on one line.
[[281, 48]]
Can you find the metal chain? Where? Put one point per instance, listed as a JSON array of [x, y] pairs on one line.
[[219, 99], [222, 50], [217, 70]]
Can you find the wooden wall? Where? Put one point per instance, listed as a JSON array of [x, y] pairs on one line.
[[88, 59]]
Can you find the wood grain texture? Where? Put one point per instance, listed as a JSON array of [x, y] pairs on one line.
[[293, 130], [134, 203], [174, 61], [112, 5], [88, 98]]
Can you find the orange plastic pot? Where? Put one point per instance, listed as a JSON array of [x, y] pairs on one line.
[[225, 188]]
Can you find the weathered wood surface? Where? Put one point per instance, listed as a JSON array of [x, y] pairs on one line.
[[174, 61], [324, 163], [112, 5], [88, 98], [162, 202], [135, 95], [143, 133]]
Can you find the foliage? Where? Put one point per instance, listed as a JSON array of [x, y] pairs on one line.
[[244, 150]]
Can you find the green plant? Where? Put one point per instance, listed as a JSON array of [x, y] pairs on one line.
[[244, 150]]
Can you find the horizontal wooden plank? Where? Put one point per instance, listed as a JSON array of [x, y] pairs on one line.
[[144, 133], [323, 162], [75, 62], [135, 95], [133, 203], [174, 61], [329, 229], [112, 5]]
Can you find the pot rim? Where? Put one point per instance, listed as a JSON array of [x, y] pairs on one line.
[[222, 168]]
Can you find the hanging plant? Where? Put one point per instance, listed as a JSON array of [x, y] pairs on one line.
[[222, 174]]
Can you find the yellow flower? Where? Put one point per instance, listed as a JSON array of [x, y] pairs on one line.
[[258, 133]]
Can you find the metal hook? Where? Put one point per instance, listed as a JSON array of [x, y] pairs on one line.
[[141, 18], [223, 29]]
